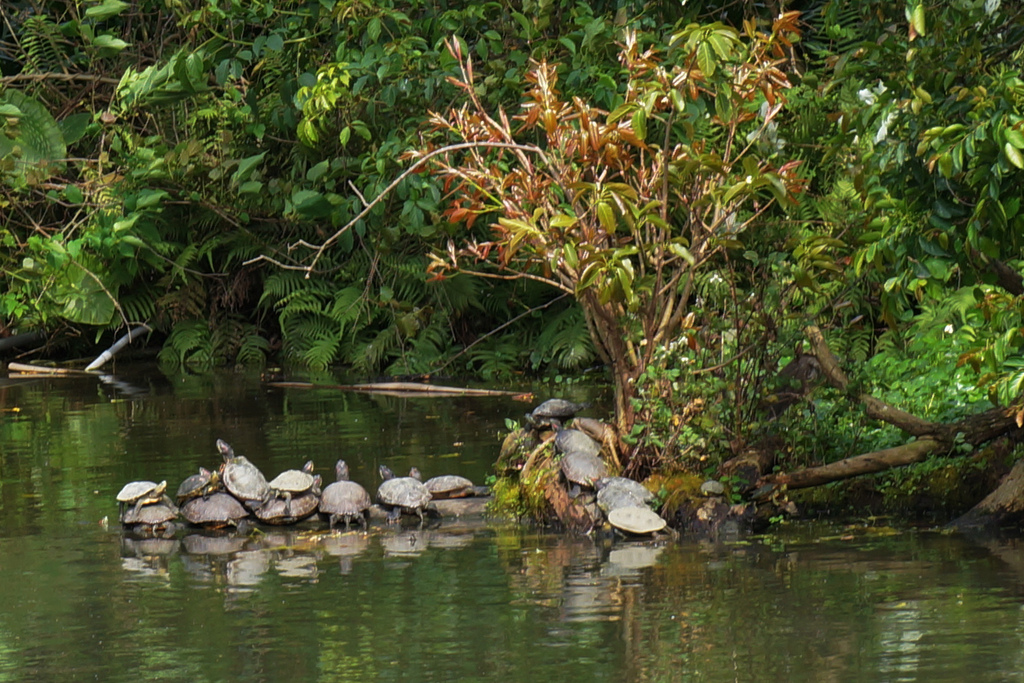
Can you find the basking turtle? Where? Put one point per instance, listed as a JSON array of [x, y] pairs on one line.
[[294, 483], [581, 470], [344, 499], [398, 494], [575, 441], [595, 429], [450, 486], [215, 511], [202, 484], [636, 520], [614, 497], [150, 517], [241, 478], [295, 508], [553, 412], [140, 493], [614, 485]]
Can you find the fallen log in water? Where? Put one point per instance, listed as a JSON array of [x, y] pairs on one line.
[[398, 389], [22, 368]]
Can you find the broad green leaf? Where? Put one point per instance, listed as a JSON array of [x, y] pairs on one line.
[[245, 167], [639, 122], [606, 215], [106, 9], [917, 19], [1015, 138], [706, 59], [109, 42], [1014, 155]]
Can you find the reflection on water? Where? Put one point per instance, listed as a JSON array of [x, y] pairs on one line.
[[465, 600]]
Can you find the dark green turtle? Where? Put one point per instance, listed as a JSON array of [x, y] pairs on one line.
[[202, 484], [151, 517], [553, 412], [344, 499], [615, 490], [140, 493], [295, 508], [215, 511], [241, 478], [581, 470], [294, 483], [575, 441], [398, 494], [450, 486]]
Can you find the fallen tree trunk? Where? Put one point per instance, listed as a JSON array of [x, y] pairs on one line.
[[398, 389], [868, 463], [932, 438]]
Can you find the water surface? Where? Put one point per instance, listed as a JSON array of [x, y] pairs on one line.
[[470, 600]]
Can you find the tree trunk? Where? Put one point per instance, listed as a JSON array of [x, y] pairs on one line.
[[868, 463], [1003, 506]]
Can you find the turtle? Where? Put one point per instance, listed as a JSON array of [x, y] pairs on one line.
[[402, 493], [215, 511], [581, 470], [150, 517], [344, 499], [638, 519], [553, 412], [202, 484], [614, 497], [142, 493], [241, 478], [634, 488], [450, 486], [575, 441], [294, 508], [294, 483]]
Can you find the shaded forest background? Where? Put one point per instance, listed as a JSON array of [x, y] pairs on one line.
[[181, 163]]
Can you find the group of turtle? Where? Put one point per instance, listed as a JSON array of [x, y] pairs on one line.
[[238, 490], [624, 503]]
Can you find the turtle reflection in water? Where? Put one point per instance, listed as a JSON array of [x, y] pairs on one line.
[[402, 494]]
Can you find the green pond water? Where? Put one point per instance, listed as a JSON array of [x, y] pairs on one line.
[[465, 601]]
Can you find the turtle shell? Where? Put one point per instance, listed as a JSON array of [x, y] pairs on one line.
[[244, 480], [402, 493], [612, 498], [595, 429], [294, 481], [283, 511], [635, 488], [218, 510], [154, 515], [557, 408], [344, 499], [582, 468], [636, 520], [202, 484], [575, 441], [449, 486], [135, 491]]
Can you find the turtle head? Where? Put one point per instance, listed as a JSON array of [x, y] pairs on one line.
[[225, 449], [341, 471], [385, 472], [308, 467], [414, 472]]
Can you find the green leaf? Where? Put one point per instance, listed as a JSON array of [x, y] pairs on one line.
[[639, 122], [109, 42], [706, 59], [1014, 155], [917, 19], [245, 167], [106, 9], [606, 215]]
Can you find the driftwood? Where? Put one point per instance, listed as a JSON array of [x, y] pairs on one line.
[[397, 389], [44, 370], [867, 463]]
